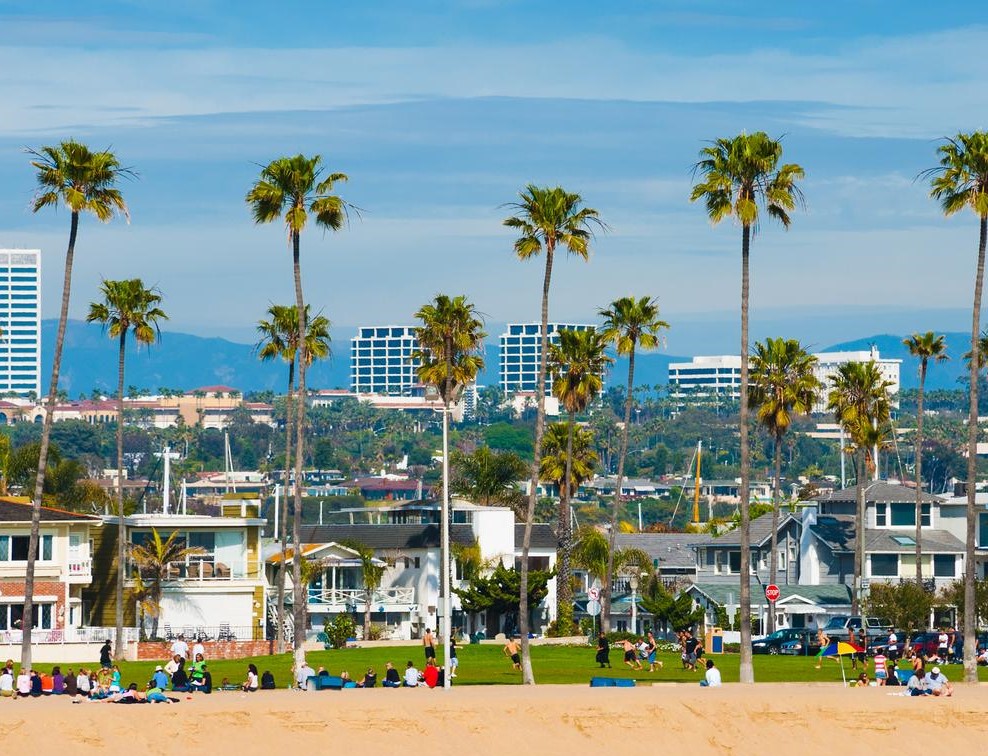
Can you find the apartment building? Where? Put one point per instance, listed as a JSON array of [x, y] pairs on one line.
[[520, 352], [20, 321], [381, 360]]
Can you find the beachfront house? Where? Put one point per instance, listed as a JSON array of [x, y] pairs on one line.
[[405, 539], [62, 571], [829, 538], [218, 594]]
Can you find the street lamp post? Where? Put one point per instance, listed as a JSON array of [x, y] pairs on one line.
[[633, 584]]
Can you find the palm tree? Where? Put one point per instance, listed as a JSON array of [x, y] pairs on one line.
[[83, 181], [546, 219], [740, 174], [153, 560], [631, 325], [451, 343], [290, 188], [859, 400], [128, 306], [926, 346], [279, 340], [577, 362], [488, 477], [783, 384], [959, 182], [373, 572], [592, 552]]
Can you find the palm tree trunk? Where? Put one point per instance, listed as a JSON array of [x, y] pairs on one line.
[[970, 615], [861, 474], [605, 613], [299, 589], [39, 482], [747, 672], [528, 677], [564, 578], [444, 560], [919, 473], [367, 613], [121, 535], [283, 525], [773, 559]]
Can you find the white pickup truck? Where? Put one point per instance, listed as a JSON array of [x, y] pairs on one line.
[[840, 624]]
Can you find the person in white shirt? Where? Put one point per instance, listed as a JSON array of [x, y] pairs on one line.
[[197, 649], [712, 676], [6, 683], [303, 675], [893, 646], [938, 684], [180, 647], [82, 682], [24, 682], [411, 676], [172, 666]]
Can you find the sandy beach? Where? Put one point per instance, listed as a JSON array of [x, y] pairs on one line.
[[488, 720]]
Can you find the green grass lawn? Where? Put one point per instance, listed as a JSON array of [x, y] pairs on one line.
[[486, 665]]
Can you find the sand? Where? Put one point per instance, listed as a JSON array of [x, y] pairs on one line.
[[681, 719]]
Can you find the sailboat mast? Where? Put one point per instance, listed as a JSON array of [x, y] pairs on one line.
[[696, 483]]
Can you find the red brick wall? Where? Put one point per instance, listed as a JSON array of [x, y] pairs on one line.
[[10, 588], [214, 650]]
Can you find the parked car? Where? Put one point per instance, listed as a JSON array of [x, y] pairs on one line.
[[928, 642], [806, 646], [772, 644], [839, 626]]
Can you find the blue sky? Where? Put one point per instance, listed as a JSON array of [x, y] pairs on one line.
[[441, 111]]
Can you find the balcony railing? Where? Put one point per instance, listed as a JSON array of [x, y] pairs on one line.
[[204, 570], [68, 635], [80, 567], [357, 597]]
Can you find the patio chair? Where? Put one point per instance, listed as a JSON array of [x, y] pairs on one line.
[[168, 634], [225, 633], [202, 635]]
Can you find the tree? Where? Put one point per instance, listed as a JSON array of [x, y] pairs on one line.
[[926, 346], [153, 560], [372, 571], [127, 307], [497, 593], [906, 605], [631, 325], [488, 477], [782, 385], [451, 343], [290, 189], [568, 459], [677, 612], [738, 175], [547, 218], [955, 595], [960, 182], [860, 402], [68, 174], [592, 552], [279, 340], [577, 362]]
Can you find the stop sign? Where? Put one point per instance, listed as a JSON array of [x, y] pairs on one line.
[[772, 592]]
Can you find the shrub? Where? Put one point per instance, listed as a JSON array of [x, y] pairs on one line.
[[376, 632], [340, 630]]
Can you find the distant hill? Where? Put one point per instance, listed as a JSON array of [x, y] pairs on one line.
[[940, 375]]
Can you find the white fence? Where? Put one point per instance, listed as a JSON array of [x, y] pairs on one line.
[[68, 635]]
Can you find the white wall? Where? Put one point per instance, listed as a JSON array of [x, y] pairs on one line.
[[208, 609]]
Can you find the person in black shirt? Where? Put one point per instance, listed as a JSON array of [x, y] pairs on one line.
[[180, 680], [391, 678], [105, 659], [603, 651]]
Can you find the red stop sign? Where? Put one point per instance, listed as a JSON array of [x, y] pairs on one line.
[[772, 592]]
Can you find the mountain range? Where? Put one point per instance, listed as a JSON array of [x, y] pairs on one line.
[[187, 361]]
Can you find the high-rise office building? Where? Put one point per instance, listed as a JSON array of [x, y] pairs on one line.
[[381, 360], [20, 321], [520, 353]]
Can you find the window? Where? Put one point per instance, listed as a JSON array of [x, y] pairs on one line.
[[782, 559], [734, 562], [885, 565], [881, 515], [13, 548], [12, 614], [944, 565], [901, 515], [983, 530]]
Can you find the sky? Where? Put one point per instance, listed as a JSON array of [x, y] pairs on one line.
[[440, 111]]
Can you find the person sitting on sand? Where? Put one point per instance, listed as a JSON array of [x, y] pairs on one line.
[[711, 679], [511, 650], [47, 684], [303, 674], [82, 682], [267, 681], [917, 685], [6, 683], [938, 684], [24, 683], [36, 688], [172, 665], [630, 655], [251, 683], [156, 695], [180, 680], [862, 680], [430, 675], [411, 676], [891, 679], [160, 678], [197, 676], [348, 681], [369, 681], [391, 677]]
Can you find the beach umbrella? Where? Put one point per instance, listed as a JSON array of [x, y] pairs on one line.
[[840, 649]]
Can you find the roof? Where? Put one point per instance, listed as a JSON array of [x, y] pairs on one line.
[[213, 390], [383, 484], [666, 549], [386, 536], [838, 534], [760, 530], [543, 536], [880, 492], [12, 510], [832, 595]]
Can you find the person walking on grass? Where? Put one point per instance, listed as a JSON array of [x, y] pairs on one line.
[[603, 651], [454, 662], [429, 643], [881, 670], [651, 649], [512, 649]]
